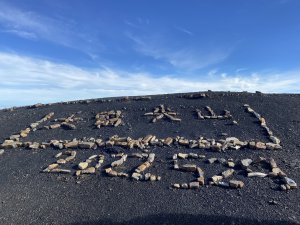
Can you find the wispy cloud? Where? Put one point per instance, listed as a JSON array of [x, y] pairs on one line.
[[34, 26], [26, 80], [184, 30], [185, 58]]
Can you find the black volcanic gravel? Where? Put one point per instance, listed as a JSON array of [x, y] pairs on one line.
[[28, 196]]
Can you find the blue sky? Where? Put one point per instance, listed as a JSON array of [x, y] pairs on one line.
[[57, 50]]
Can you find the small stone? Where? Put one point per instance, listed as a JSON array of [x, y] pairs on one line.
[[151, 158], [86, 145], [228, 173], [216, 178], [9, 144], [283, 187], [34, 146], [72, 144], [212, 160], [54, 126], [136, 176], [183, 141], [168, 141], [246, 163], [290, 182], [51, 167], [78, 173], [272, 162], [176, 186], [152, 178], [83, 165], [194, 185], [58, 155], [236, 184], [61, 161], [257, 174], [189, 167], [60, 171], [68, 126], [89, 170], [231, 164], [182, 155], [223, 184], [1, 151], [193, 156], [275, 140], [184, 186], [260, 146], [119, 162]]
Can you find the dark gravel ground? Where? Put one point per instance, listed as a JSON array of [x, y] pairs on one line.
[[28, 196]]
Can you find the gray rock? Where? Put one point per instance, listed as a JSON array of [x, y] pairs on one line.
[[236, 184]]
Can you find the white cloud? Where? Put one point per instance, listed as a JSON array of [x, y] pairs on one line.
[[34, 26], [26, 80], [184, 58]]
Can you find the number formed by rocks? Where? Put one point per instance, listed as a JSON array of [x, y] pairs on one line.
[[212, 115], [199, 181], [110, 118], [14, 140], [263, 124], [66, 123], [54, 167], [161, 112], [86, 168], [138, 172]]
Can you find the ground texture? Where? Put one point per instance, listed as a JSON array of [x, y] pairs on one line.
[[29, 196]]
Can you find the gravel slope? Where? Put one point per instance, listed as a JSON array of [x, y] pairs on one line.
[[31, 197]]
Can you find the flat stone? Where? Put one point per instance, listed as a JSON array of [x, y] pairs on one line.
[[61, 161], [290, 182], [194, 185], [1, 151], [83, 165], [72, 144], [182, 155], [183, 141], [85, 145], [168, 141], [212, 160], [34, 145], [260, 145], [54, 126], [51, 167], [257, 174], [151, 158], [176, 186], [89, 170], [231, 164], [246, 162], [9, 144], [189, 167], [60, 171], [216, 178], [275, 140], [142, 167], [236, 184], [136, 176], [184, 186], [228, 173], [68, 126]]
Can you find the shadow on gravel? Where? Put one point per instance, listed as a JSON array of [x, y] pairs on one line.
[[185, 219]]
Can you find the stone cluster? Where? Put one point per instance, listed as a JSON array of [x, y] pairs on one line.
[[162, 112], [66, 123], [109, 118], [212, 115], [263, 124]]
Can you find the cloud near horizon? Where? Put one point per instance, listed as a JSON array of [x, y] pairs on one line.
[[28, 80]]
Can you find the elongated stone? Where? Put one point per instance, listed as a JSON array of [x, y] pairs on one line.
[[89, 170], [189, 168], [257, 174]]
